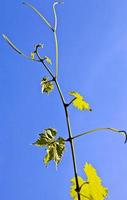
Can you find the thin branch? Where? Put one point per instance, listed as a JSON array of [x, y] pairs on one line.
[[101, 129], [55, 15], [40, 15], [56, 52], [47, 68], [16, 49], [60, 92], [68, 124], [71, 141], [55, 37], [42, 61], [54, 78], [68, 104], [50, 26]]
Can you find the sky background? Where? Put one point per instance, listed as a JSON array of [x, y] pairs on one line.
[[92, 61]]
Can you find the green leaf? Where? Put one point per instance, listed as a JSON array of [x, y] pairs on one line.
[[46, 138], [79, 102], [55, 147], [91, 188], [46, 85]]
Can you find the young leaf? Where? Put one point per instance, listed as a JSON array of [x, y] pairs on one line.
[[55, 147], [46, 138], [79, 102], [48, 60], [92, 188], [46, 85], [32, 55]]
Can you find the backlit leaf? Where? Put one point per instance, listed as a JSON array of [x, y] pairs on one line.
[[91, 188], [79, 102], [46, 85], [48, 60], [54, 147], [32, 55]]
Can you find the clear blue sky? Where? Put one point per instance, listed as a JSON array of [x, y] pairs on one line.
[[93, 61]]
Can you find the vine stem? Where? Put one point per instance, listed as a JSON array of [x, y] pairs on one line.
[[54, 78], [65, 105], [70, 136]]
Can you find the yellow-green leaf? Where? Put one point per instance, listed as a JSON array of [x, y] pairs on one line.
[[48, 60], [46, 85], [79, 102], [54, 147], [91, 188], [32, 55]]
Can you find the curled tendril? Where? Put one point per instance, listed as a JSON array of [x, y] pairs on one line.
[[37, 46], [122, 131], [100, 129], [14, 47], [54, 11], [39, 14]]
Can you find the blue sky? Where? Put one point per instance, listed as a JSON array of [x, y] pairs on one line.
[[93, 61]]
